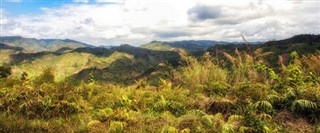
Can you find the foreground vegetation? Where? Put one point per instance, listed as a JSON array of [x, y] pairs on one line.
[[237, 93]]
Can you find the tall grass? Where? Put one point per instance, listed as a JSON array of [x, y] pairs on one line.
[[246, 95]]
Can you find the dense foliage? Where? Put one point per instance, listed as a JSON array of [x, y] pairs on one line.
[[240, 93]]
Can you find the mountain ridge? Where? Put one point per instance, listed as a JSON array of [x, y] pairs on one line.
[[38, 45]]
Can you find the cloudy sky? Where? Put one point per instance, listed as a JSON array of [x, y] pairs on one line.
[[114, 22]]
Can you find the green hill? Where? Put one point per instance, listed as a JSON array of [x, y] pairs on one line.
[[38, 45], [6, 51], [66, 64], [122, 64], [157, 45], [142, 64], [304, 43]]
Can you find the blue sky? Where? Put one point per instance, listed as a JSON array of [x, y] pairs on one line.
[[115, 22], [20, 7]]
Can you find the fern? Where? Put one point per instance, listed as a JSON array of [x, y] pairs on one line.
[[206, 121], [272, 98], [227, 128], [92, 123], [266, 129], [303, 105], [196, 113], [116, 127], [264, 116], [186, 130], [160, 105], [233, 118], [169, 129], [265, 106], [220, 105], [103, 114]]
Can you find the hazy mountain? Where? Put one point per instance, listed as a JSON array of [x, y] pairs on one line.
[[4, 46], [106, 46], [38, 45], [188, 45]]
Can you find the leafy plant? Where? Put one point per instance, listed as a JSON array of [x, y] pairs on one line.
[[116, 127], [264, 106], [303, 105]]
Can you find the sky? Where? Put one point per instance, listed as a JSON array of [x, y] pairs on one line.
[[135, 22]]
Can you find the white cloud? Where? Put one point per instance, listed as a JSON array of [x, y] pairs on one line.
[[136, 22]]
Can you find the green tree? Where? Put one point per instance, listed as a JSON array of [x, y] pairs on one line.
[[5, 71]]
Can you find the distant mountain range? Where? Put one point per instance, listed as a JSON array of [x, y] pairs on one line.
[[38, 45], [188, 45], [32, 45], [191, 46]]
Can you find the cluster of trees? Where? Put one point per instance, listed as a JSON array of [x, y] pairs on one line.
[[241, 94]]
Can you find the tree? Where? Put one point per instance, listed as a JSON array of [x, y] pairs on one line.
[[47, 76], [5, 71]]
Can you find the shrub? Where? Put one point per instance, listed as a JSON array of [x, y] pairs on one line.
[[206, 121], [5, 71], [116, 127], [169, 129], [103, 114], [47, 76], [176, 108], [264, 106], [303, 105]]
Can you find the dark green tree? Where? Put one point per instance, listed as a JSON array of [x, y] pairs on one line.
[[5, 71]]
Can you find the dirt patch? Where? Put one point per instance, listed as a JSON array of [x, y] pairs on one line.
[[293, 124]]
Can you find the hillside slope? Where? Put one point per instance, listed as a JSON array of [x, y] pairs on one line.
[[143, 64], [66, 64]]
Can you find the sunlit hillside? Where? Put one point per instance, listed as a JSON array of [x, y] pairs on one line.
[[67, 64]]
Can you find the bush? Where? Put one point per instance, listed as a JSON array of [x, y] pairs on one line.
[[5, 71], [103, 114], [47, 76], [116, 127], [169, 129]]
